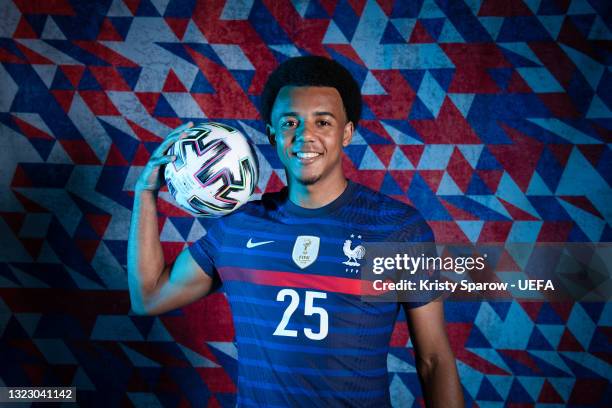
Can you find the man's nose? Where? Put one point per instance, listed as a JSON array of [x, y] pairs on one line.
[[305, 133]]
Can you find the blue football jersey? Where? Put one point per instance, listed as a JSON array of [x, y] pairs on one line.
[[304, 335]]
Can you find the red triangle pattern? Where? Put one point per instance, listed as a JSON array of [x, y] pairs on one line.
[[169, 209], [357, 5], [375, 127], [29, 205], [143, 134], [173, 83], [99, 222], [448, 232], [370, 178], [555, 231], [559, 104], [80, 152], [6, 56], [569, 342], [413, 153], [99, 103], [603, 133], [495, 231], [109, 79], [32, 56], [521, 356], [450, 127], [525, 150], [73, 73], [177, 25], [115, 158], [491, 178], [14, 220], [213, 402], [563, 309], [459, 169], [386, 6], [384, 153], [348, 51], [458, 214], [506, 263], [329, 6], [397, 103], [132, 5], [108, 32], [561, 152], [420, 35], [172, 123], [30, 131], [20, 178], [503, 8], [583, 203], [531, 308], [274, 183], [64, 98], [88, 247], [517, 84], [592, 152], [190, 328], [24, 30], [399, 336], [548, 394], [432, 178], [516, 213], [148, 100], [403, 178], [141, 157]]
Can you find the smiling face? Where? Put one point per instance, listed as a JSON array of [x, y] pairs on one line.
[[309, 128]]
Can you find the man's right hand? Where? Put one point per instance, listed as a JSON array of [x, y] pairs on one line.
[[151, 178]]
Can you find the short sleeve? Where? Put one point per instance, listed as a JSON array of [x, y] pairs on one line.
[[419, 232], [205, 251]]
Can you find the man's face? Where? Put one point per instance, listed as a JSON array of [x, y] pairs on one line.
[[309, 128]]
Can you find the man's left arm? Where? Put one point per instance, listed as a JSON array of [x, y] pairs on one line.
[[435, 361]]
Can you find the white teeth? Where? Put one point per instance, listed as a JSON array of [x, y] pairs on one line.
[[309, 155]]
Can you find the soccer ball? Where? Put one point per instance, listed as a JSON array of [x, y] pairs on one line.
[[215, 170]]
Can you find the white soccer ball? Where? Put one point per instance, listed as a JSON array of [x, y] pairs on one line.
[[215, 170]]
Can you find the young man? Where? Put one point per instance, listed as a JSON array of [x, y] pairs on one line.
[[305, 336]]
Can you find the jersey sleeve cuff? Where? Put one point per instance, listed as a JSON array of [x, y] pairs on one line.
[[202, 259]]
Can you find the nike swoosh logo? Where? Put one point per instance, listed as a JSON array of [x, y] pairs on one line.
[[251, 244]]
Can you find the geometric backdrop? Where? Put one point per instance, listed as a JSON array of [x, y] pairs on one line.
[[492, 117]]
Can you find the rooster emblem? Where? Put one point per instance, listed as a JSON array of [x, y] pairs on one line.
[[353, 254]]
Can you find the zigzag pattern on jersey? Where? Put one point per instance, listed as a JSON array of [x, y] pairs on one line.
[[492, 117]]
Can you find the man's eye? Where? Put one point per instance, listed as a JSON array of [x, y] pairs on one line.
[[289, 123], [324, 123]]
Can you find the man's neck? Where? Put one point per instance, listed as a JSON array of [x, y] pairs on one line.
[[318, 194]]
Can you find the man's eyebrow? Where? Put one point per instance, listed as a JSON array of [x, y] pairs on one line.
[[325, 113], [318, 113]]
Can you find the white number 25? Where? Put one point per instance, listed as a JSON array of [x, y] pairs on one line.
[[309, 310]]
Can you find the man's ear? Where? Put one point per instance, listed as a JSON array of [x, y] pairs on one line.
[[271, 135], [347, 136]]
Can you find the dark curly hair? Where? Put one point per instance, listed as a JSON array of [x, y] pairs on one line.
[[312, 71]]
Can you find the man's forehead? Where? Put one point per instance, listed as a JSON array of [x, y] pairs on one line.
[[290, 95]]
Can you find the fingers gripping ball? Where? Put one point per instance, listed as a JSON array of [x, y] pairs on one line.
[[215, 170]]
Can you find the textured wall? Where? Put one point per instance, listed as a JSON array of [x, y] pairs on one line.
[[492, 117]]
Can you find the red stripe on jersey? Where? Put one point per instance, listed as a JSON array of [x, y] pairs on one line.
[[334, 284]]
